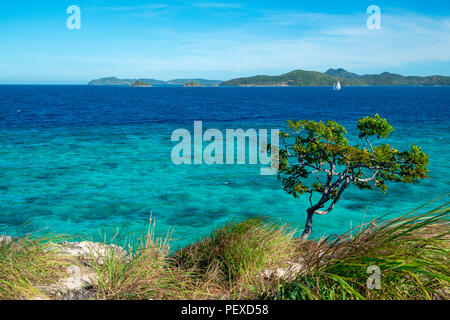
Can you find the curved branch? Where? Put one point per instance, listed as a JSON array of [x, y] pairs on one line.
[[338, 197]]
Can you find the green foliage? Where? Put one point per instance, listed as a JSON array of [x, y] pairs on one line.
[[242, 260], [377, 125], [294, 78], [411, 252], [26, 264], [317, 158], [145, 273], [235, 255]]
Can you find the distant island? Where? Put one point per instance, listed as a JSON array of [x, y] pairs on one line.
[[114, 81], [194, 84], [202, 82], [313, 78], [295, 78], [140, 83]]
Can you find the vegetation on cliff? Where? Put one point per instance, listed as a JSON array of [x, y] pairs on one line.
[[253, 259]]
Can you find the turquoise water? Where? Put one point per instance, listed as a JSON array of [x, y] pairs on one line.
[[74, 162]]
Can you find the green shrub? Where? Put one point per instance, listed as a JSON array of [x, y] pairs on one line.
[[25, 265], [236, 254], [412, 253], [145, 273]]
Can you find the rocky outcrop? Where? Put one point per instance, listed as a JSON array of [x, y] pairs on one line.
[[86, 252], [78, 278], [78, 284]]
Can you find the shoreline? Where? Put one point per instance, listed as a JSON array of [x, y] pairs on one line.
[[239, 256]]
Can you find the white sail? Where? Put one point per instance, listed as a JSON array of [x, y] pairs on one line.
[[337, 86]]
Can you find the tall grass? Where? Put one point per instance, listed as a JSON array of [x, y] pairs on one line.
[[27, 264], [146, 273], [234, 256], [227, 264], [412, 253]]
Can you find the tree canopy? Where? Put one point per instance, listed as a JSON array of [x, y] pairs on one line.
[[321, 150]]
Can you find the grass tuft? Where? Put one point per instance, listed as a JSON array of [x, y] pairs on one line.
[[412, 253], [27, 264], [146, 273], [235, 256]]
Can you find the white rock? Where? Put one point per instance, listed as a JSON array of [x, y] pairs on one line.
[[87, 251], [6, 239], [288, 274], [76, 280], [77, 284]]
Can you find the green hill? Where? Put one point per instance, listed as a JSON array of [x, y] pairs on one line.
[[110, 81], [342, 73], [297, 78], [294, 78], [313, 78], [114, 81]]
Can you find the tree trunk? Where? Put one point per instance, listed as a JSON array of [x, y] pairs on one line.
[[308, 226]]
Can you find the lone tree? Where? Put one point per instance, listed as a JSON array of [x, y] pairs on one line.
[[316, 158]]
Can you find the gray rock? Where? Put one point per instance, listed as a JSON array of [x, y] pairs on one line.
[[6, 239], [87, 251], [80, 279], [77, 285]]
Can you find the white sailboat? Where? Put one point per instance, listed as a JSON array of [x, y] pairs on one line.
[[337, 86]]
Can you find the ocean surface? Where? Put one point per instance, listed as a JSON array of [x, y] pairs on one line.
[[89, 161]]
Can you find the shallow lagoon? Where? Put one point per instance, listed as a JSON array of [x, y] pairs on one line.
[[84, 160]]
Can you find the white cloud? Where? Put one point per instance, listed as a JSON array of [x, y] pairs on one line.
[[135, 8], [329, 41], [217, 5]]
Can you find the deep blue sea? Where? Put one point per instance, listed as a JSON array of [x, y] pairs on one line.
[[85, 160]]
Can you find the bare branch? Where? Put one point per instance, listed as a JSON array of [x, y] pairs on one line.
[[338, 197], [285, 146], [367, 179], [368, 142]]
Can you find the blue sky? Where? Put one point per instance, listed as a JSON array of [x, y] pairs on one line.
[[218, 39]]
